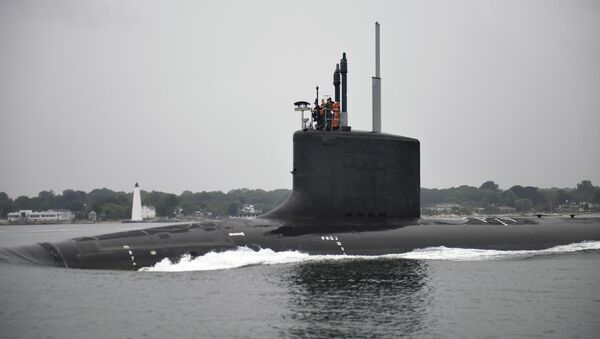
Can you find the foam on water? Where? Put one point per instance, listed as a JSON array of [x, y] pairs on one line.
[[244, 256]]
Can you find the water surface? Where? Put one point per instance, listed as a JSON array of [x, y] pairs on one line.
[[553, 294]]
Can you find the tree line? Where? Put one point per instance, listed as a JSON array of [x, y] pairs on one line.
[[522, 198], [114, 205]]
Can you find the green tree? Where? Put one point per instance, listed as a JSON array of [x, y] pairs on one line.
[[585, 191], [489, 185], [110, 204], [75, 201], [6, 205], [46, 200], [24, 203], [563, 196], [551, 197], [168, 204], [114, 211], [188, 203], [533, 194], [508, 198], [523, 204], [233, 208], [518, 191]]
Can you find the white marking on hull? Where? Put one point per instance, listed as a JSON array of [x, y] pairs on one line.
[[500, 221], [338, 242], [131, 256]]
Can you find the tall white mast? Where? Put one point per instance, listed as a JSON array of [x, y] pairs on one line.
[[377, 86]]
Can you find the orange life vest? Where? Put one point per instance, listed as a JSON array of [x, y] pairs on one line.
[[336, 115]]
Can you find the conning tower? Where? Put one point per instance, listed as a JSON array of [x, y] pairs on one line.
[[358, 177], [352, 176]]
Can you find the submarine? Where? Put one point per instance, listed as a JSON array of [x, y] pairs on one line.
[[354, 193]]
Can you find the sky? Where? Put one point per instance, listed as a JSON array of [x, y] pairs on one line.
[[198, 95]]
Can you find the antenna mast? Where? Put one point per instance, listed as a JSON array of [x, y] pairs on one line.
[[377, 86]]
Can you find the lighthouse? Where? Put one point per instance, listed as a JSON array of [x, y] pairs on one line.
[[136, 208]]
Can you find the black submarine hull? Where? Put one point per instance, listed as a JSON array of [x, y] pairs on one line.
[[135, 249]]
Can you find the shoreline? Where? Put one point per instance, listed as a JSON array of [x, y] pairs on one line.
[[5, 222]]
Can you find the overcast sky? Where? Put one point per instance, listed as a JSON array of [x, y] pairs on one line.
[[197, 95]]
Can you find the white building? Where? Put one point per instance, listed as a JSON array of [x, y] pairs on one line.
[[93, 216], [447, 207], [148, 212], [249, 209], [42, 216], [203, 214]]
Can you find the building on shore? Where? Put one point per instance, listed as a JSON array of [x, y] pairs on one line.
[[41, 217], [148, 212], [447, 207], [201, 214], [93, 216], [249, 210]]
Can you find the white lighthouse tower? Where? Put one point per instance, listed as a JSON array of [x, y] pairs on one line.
[[136, 208]]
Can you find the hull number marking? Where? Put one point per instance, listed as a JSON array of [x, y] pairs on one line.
[[131, 256], [338, 242]]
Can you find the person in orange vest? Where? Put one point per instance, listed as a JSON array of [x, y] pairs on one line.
[[335, 124]]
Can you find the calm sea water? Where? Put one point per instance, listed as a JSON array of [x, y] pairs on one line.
[[441, 293]]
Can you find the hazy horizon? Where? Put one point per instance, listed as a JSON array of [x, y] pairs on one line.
[[197, 95], [258, 188]]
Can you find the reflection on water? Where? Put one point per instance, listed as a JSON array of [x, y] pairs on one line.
[[358, 298]]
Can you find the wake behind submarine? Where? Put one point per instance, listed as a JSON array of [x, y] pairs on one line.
[[354, 193]]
